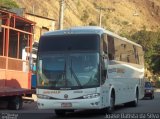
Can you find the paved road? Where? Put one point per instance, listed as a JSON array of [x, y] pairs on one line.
[[30, 111]]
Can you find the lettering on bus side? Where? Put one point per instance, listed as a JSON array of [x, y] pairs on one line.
[[117, 70], [112, 70], [78, 91], [120, 70]]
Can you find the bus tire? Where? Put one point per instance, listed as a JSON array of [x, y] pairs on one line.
[[15, 103], [135, 102], [112, 103], [60, 112]]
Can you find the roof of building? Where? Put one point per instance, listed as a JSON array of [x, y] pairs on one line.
[[4, 12], [41, 16]]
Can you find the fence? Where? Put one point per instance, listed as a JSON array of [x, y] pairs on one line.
[[14, 64]]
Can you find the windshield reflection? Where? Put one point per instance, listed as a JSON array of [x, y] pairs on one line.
[[78, 70]]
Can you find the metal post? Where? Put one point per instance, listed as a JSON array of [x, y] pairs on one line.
[[4, 37], [100, 18], [61, 14], [18, 45], [14, 25], [0, 22], [100, 13], [7, 39]]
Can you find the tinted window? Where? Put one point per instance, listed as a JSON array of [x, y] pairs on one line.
[[104, 39], [140, 55], [111, 48], [69, 42], [148, 84], [123, 51]]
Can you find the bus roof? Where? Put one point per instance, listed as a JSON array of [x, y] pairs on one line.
[[88, 30]]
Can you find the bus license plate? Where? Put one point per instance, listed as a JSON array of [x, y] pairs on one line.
[[66, 105]]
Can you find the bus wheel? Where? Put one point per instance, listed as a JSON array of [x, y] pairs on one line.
[[60, 112], [112, 103], [15, 103], [133, 103]]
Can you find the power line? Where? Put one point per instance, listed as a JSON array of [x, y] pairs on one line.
[[71, 9]]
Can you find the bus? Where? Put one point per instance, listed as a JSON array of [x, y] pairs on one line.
[[88, 68]]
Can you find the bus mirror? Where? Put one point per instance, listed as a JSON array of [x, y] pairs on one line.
[[105, 56], [105, 66], [105, 63], [105, 52], [104, 73]]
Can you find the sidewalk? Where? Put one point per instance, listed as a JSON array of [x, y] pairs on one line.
[[157, 90], [34, 98]]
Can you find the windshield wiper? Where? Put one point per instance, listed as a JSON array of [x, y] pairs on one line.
[[75, 76]]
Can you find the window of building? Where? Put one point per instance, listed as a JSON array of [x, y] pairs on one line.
[[44, 29]]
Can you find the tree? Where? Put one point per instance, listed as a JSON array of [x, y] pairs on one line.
[[8, 4], [85, 16], [150, 42]]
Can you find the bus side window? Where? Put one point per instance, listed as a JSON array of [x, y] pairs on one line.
[[105, 46], [136, 54], [111, 48], [140, 55]]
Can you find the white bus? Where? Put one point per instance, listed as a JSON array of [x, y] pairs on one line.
[[88, 68]]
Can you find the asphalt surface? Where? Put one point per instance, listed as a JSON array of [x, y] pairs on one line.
[[146, 109]]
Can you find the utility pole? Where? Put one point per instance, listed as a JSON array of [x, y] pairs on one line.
[[100, 13], [100, 17], [33, 9], [61, 14]]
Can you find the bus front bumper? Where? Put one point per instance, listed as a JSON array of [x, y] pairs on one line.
[[93, 103]]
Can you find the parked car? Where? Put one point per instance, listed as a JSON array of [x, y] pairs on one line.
[[149, 90]]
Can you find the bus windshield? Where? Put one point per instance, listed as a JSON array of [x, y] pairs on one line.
[[68, 71]]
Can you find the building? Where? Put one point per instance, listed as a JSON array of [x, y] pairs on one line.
[[43, 24], [16, 34]]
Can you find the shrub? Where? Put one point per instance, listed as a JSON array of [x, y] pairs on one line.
[[8, 4]]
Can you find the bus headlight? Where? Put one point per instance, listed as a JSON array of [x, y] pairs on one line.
[[43, 96], [91, 96]]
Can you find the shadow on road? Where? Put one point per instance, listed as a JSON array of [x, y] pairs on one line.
[[86, 114], [83, 114]]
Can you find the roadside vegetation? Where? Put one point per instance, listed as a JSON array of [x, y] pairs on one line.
[[150, 42], [8, 4]]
